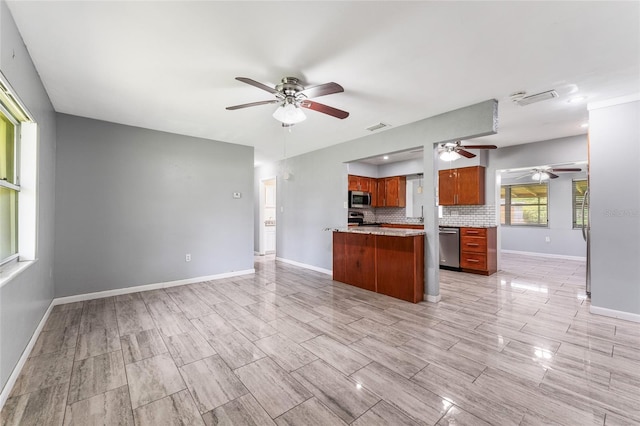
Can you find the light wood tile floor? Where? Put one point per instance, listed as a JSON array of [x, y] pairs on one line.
[[289, 346]]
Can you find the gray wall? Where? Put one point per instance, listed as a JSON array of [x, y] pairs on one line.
[[131, 202], [314, 197], [25, 299], [615, 207]]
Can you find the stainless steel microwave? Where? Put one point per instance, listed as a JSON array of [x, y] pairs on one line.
[[359, 199]]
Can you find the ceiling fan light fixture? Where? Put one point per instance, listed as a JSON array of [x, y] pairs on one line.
[[449, 155], [540, 176], [289, 113]]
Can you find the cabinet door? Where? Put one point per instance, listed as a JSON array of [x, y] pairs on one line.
[[353, 183], [382, 193], [373, 188], [470, 185], [447, 190], [363, 183], [396, 191]]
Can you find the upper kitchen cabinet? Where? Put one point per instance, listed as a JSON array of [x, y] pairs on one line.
[[361, 183], [392, 192], [463, 186]]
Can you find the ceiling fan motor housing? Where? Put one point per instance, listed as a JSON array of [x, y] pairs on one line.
[[290, 86]]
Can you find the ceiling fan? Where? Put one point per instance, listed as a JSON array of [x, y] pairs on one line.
[[545, 173], [292, 96], [451, 151]]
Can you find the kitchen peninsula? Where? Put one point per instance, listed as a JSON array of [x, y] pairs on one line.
[[389, 261]]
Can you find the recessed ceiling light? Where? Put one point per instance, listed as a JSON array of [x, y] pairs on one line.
[[386, 157], [576, 99], [584, 125]]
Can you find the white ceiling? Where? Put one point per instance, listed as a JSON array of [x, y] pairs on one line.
[[170, 66]]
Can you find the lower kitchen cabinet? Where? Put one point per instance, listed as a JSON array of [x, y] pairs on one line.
[[391, 265], [478, 250]]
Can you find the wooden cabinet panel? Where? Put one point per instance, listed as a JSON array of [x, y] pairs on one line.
[[447, 187], [473, 244], [478, 250], [360, 261], [476, 261], [473, 232], [471, 185], [392, 191], [360, 183], [388, 265], [399, 272], [463, 186], [339, 261]]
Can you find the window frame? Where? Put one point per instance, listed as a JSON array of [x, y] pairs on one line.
[[25, 183], [507, 205], [15, 178]]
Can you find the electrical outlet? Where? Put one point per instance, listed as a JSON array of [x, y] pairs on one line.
[[187, 257], [547, 239], [346, 205]]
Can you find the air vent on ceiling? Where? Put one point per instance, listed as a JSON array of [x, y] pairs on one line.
[[521, 99], [378, 127]]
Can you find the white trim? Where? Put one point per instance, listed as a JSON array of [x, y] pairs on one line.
[[10, 270], [146, 287], [8, 387], [553, 256], [304, 265], [432, 299], [615, 314], [613, 102]]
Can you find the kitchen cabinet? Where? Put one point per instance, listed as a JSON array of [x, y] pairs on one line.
[[392, 191], [360, 183], [478, 250], [386, 264], [461, 187], [270, 239]]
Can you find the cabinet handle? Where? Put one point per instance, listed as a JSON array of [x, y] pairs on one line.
[[472, 232], [473, 244], [473, 260]]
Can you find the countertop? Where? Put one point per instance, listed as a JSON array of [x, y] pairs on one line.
[[374, 230]]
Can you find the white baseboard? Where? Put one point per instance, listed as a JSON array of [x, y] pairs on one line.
[[553, 256], [146, 287], [304, 265], [8, 387], [432, 299], [628, 316], [99, 295]]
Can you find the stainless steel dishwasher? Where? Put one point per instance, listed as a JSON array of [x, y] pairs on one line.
[[449, 248]]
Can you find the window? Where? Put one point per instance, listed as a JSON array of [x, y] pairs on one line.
[[12, 119], [579, 189], [524, 205], [9, 187]]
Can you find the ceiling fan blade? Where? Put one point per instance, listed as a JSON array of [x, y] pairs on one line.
[[478, 146], [325, 109], [552, 175], [274, 101], [465, 153], [322, 90], [566, 170], [257, 84]]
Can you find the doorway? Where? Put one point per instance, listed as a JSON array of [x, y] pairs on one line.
[[267, 216]]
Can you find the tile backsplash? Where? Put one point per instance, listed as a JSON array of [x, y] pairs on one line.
[[468, 216]]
